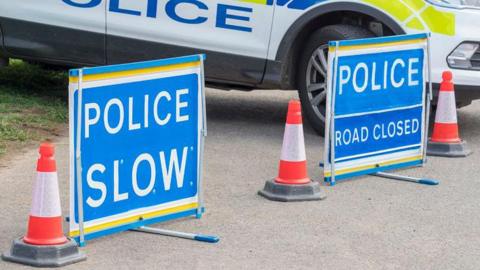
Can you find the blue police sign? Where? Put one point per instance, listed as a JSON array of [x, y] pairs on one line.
[[376, 105], [136, 139]]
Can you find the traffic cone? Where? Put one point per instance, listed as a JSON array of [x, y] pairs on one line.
[[293, 183], [45, 245], [445, 140]]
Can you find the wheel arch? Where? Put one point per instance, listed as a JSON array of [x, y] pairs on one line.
[[282, 71]]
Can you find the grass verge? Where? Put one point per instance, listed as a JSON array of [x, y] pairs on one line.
[[33, 104]]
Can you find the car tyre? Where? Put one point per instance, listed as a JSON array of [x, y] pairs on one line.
[[312, 70]]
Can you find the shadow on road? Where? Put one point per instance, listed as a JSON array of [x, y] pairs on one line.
[[262, 109], [469, 122]]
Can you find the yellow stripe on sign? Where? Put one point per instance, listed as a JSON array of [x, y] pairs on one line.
[[373, 166], [136, 72], [382, 45], [132, 219]]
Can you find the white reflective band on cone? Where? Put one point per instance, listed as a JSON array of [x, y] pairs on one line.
[[46, 198], [446, 108], [293, 148]]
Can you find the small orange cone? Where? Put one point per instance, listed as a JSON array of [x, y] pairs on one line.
[[292, 183], [45, 221], [45, 245], [445, 140], [293, 161]]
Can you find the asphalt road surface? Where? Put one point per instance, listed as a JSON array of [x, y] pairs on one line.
[[365, 223]]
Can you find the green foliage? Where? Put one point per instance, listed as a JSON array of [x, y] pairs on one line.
[[32, 102], [33, 79]]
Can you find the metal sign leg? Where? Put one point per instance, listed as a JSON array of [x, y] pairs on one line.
[[424, 181], [79, 183], [191, 236]]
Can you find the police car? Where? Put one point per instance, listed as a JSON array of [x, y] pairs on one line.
[[267, 44]]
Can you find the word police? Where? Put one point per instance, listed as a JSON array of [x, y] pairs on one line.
[[393, 74], [231, 17], [115, 106]]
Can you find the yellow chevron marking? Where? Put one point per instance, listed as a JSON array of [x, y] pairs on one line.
[[395, 8], [263, 2], [439, 22], [415, 23]]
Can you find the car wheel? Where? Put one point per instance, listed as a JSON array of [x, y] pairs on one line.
[[312, 70]]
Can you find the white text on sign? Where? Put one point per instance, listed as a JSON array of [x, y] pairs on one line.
[[378, 132], [93, 112], [166, 172], [364, 76]]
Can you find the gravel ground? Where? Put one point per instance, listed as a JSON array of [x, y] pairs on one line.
[[365, 223]]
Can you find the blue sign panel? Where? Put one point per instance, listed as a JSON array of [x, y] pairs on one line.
[[376, 105], [379, 81], [373, 133], [136, 134]]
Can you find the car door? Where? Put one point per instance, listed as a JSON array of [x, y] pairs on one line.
[[68, 31], [233, 33]]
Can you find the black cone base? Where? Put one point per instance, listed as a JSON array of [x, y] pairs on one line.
[[448, 149], [44, 256], [292, 193]]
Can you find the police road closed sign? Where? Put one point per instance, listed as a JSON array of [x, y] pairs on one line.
[[136, 140], [376, 105]]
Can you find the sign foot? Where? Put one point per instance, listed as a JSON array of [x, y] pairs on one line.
[[191, 236], [424, 181]]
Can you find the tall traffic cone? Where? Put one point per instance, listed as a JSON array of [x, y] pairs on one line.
[[293, 183], [445, 140], [45, 245]]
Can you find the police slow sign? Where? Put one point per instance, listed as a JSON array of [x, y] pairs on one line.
[[136, 140], [376, 105]]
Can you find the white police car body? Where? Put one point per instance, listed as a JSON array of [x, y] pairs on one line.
[[267, 44]]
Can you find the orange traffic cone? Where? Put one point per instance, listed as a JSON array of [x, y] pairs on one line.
[[445, 140], [45, 221], [292, 183], [45, 244]]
